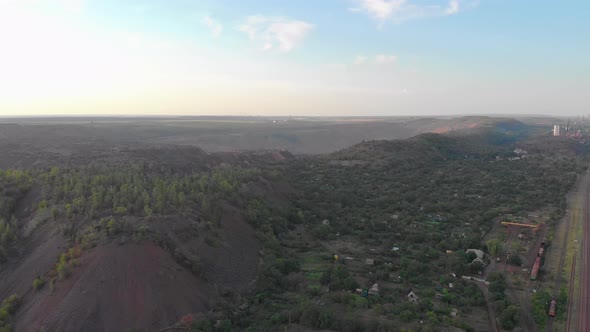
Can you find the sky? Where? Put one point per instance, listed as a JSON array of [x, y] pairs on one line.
[[294, 57]]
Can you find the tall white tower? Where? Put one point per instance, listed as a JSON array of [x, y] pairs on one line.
[[556, 130]]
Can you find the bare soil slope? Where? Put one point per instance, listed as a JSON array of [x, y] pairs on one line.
[[136, 286], [38, 254]]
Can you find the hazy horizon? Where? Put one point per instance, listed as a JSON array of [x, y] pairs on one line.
[[270, 58], [302, 116]]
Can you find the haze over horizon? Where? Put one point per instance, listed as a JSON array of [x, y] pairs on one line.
[[261, 57]]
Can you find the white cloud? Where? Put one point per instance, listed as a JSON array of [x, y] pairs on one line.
[[453, 7], [384, 59], [400, 11], [381, 9], [360, 59], [273, 33], [213, 25]]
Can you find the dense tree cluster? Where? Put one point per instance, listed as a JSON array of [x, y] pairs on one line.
[[507, 312], [444, 196], [431, 197], [99, 190], [13, 185]]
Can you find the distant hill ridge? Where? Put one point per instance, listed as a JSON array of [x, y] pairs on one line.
[[472, 137]]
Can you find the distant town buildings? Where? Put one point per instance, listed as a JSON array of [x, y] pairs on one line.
[[575, 129]]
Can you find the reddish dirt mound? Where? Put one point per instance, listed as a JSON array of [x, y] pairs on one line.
[[115, 288], [232, 263]]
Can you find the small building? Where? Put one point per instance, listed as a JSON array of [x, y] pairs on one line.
[[478, 260], [480, 254], [370, 261], [412, 297], [556, 130], [374, 290]]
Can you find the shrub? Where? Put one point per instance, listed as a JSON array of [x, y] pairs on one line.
[[147, 211], [210, 241], [141, 233], [62, 270], [6, 328], [121, 210], [38, 283], [310, 316], [224, 326], [8, 308], [407, 315], [515, 260], [54, 213]]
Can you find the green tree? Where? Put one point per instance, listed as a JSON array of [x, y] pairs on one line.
[[509, 317], [147, 211], [54, 213], [69, 210]]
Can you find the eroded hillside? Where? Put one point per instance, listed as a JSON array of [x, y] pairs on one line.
[[111, 246]]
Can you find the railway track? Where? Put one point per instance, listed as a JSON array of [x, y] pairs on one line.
[[532, 285], [585, 289], [558, 277], [571, 293]]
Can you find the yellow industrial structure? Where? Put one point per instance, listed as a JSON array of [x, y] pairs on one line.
[[515, 224]]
